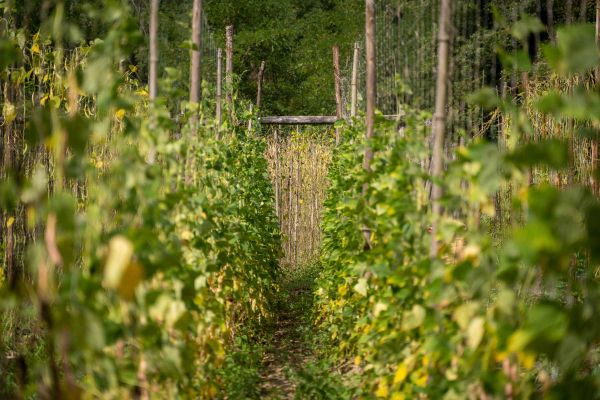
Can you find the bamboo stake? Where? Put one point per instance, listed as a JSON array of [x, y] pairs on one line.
[[261, 73], [219, 112], [229, 68], [595, 141], [8, 164], [153, 73], [371, 93], [196, 65], [439, 119], [354, 101], [277, 173], [338, 90]]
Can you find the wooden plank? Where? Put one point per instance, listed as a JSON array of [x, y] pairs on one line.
[[299, 120], [308, 119]]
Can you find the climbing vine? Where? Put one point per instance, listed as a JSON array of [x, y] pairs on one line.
[[509, 315]]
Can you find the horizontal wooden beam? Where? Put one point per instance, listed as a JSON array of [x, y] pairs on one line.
[[307, 120], [299, 120]]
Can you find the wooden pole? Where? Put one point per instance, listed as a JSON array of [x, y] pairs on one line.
[[595, 141], [338, 90], [371, 93], [261, 73], [219, 94], [550, 19], [439, 119], [277, 174], [196, 65], [354, 104], [229, 67], [153, 73]]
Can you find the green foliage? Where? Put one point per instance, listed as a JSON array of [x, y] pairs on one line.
[[156, 245], [483, 318], [295, 39]]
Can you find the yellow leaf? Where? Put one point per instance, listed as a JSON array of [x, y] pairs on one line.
[[120, 271], [401, 374], [10, 222], [382, 389], [361, 287], [379, 308], [132, 276], [398, 396], [527, 359], [120, 114], [9, 112], [475, 332], [422, 381]]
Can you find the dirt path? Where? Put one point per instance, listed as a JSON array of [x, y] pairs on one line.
[[287, 350]]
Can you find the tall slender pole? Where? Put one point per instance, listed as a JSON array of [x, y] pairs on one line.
[[354, 101], [371, 93], [338, 90], [229, 67], [196, 65], [153, 73], [597, 73], [261, 73], [439, 119], [371, 77], [550, 19], [219, 111]]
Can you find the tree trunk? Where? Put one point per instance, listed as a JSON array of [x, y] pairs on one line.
[[550, 17]]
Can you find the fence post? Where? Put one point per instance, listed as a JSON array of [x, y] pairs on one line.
[[229, 68], [371, 94], [338, 90], [219, 116], [153, 69], [196, 65], [354, 101], [439, 119], [261, 73]]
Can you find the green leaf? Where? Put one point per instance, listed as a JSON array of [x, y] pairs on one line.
[[576, 50]]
